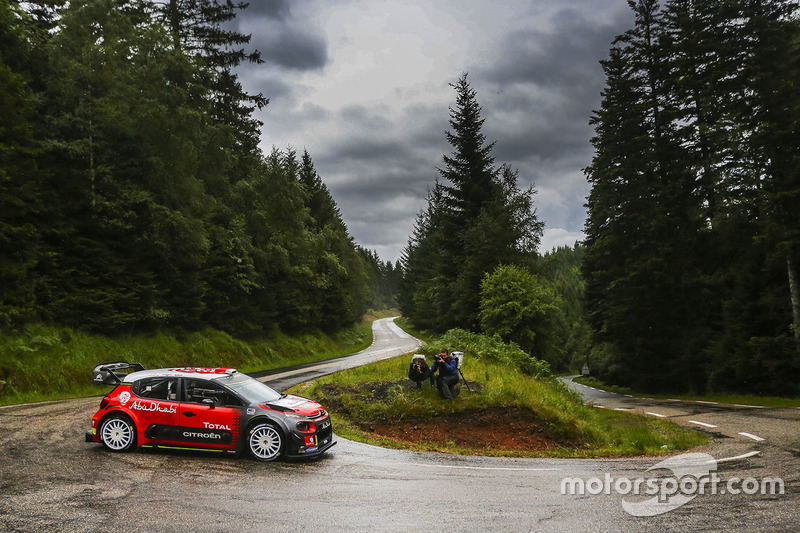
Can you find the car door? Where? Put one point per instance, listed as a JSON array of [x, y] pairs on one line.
[[155, 406], [209, 415]]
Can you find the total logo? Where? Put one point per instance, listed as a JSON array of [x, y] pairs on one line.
[[216, 426]]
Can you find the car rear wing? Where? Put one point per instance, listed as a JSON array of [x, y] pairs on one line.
[[113, 373]]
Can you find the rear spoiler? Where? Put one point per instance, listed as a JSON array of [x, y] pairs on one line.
[[113, 373]]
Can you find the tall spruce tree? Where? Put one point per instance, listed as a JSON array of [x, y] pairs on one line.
[[476, 218]]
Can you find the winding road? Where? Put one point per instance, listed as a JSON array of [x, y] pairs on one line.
[[51, 480]]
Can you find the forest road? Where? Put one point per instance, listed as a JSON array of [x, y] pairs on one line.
[[50, 479]]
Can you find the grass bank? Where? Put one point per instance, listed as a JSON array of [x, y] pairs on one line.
[[377, 404], [49, 363], [740, 399]]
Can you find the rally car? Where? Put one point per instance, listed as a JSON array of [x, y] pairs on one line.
[[210, 408]]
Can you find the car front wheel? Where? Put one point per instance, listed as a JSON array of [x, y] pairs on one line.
[[265, 442], [118, 433]]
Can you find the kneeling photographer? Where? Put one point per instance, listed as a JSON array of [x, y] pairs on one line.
[[419, 371], [448, 375]]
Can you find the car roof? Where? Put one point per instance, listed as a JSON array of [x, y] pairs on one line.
[[190, 372]]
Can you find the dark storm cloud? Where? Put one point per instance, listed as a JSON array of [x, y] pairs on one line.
[[274, 9], [542, 86], [282, 39], [291, 48], [537, 79]]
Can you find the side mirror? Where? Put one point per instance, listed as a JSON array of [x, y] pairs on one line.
[[209, 402]]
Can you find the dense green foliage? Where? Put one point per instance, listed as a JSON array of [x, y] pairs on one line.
[[475, 345], [521, 307], [133, 195], [694, 214]]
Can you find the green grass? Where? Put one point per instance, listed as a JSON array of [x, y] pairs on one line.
[[49, 363], [378, 394], [740, 399]]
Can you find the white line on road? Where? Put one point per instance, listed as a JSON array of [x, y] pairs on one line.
[[467, 467], [750, 406], [702, 424], [750, 435], [655, 414], [623, 408], [743, 456]]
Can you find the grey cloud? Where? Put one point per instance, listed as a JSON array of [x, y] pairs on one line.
[[274, 9], [289, 47]]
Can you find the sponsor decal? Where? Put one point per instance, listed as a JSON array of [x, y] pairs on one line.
[[199, 370], [153, 406], [196, 435], [290, 401], [124, 396], [251, 411], [325, 424], [215, 426]]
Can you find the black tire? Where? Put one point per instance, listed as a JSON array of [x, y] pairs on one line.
[[265, 442], [118, 433]]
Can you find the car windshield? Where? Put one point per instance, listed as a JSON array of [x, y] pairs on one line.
[[251, 390]]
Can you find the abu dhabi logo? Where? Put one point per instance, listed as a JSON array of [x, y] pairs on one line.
[[689, 475]]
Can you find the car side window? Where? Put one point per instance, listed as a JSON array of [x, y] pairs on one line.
[[198, 390], [157, 388]]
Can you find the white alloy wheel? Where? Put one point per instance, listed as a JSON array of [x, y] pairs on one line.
[[265, 442], [118, 434]]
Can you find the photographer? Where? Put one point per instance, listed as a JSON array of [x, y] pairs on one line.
[[419, 371], [448, 375]]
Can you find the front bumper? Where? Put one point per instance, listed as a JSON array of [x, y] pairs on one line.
[[89, 435], [312, 451]]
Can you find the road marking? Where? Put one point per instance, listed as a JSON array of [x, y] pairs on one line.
[[743, 456], [750, 435], [702, 424], [750, 406], [628, 396], [599, 406], [673, 400], [502, 468], [623, 408], [703, 401], [655, 414]]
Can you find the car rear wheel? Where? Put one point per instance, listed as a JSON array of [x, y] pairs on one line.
[[265, 442], [118, 433]]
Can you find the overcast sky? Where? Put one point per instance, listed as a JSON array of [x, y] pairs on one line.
[[363, 85]]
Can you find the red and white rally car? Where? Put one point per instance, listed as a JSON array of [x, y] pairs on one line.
[[211, 408]]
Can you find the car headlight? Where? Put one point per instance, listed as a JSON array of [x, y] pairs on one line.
[[306, 427]]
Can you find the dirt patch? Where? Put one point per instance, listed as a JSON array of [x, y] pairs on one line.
[[482, 430], [495, 429]]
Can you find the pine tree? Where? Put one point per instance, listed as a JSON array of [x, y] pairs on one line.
[[476, 218]]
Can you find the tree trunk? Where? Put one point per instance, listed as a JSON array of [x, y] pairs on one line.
[[794, 293]]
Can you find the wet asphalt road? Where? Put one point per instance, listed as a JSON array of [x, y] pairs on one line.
[[50, 480]]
